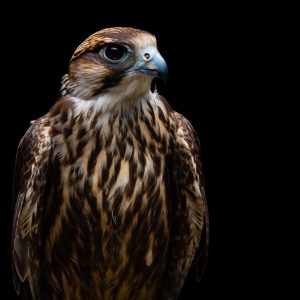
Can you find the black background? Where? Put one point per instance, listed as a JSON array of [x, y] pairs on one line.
[[218, 79]]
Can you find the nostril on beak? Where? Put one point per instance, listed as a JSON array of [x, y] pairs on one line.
[[147, 56]]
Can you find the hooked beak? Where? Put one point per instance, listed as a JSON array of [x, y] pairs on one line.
[[150, 62]]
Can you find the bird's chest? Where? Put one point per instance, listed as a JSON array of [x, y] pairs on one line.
[[124, 176], [118, 183], [115, 172], [111, 187]]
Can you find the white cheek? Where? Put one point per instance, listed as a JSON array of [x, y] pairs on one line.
[[131, 90]]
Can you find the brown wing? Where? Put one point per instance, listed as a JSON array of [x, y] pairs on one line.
[[188, 210], [30, 179]]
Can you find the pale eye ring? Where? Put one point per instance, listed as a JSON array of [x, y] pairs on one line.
[[114, 52]]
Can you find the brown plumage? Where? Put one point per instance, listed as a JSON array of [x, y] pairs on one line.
[[108, 189]]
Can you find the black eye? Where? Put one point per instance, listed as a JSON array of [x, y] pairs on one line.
[[114, 52]]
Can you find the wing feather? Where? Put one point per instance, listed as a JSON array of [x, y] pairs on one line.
[[188, 209], [30, 179]]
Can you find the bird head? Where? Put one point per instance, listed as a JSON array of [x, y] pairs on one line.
[[115, 61]]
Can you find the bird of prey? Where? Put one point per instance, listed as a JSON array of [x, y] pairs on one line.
[[108, 190]]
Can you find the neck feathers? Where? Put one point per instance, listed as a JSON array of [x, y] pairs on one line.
[[78, 123], [131, 88]]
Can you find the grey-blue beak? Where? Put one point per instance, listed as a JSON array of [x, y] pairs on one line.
[[150, 62]]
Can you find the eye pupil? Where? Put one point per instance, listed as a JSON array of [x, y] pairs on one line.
[[114, 52]]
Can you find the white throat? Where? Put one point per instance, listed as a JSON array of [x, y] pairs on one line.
[[130, 92]]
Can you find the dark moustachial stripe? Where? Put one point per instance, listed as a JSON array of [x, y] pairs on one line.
[[109, 82]]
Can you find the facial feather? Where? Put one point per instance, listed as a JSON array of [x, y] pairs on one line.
[[91, 76]]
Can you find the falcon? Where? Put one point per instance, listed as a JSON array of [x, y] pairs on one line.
[[108, 190]]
